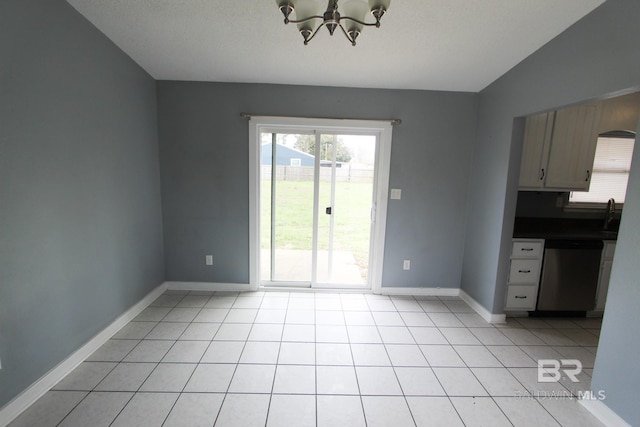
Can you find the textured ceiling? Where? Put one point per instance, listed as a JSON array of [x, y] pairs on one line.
[[456, 45]]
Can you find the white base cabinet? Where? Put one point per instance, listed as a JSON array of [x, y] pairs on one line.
[[524, 274]]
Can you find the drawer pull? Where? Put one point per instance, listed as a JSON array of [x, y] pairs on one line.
[[526, 249], [521, 297], [524, 271]]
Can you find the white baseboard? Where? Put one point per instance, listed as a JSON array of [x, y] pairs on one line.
[[20, 403], [245, 287], [603, 413], [324, 290], [434, 292], [483, 312], [512, 313], [208, 286], [449, 292]]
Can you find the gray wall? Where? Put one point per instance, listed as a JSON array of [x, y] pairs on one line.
[[204, 166], [617, 371], [80, 223], [599, 56]]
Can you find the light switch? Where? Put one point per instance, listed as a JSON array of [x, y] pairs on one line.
[[396, 194]]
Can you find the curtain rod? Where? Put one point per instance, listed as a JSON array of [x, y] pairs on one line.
[[392, 121]]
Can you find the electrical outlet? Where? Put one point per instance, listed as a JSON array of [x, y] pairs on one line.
[[406, 265], [208, 259], [396, 194]]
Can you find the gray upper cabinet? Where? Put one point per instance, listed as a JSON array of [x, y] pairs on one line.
[[559, 146], [535, 150], [558, 149], [573, 147]]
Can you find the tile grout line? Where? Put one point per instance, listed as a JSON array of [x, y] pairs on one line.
[[196, 364], [353, 360], [226, 393], [275, 372], [396, 373], [392, 366], [156, 367], [203, 353]]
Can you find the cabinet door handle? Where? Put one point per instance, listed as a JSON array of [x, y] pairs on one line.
[[541, 174], [521, 297], [586, 179], [526, 249], [524, 271]]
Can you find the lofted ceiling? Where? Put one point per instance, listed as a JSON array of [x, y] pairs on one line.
[[453, 45]]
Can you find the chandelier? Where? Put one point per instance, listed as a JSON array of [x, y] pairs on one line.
[[353, 15]]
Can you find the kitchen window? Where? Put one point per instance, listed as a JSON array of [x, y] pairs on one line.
[[610, 173]]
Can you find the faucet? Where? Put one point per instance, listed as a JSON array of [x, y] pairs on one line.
[[610, 212]]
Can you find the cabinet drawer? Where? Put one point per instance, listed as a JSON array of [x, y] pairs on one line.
[[524, 271], [521, 297], [526, 249]]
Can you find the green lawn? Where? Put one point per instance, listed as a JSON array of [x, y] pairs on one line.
[[294, 216]]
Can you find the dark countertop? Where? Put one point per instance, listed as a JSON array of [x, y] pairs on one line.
[[564, 229]]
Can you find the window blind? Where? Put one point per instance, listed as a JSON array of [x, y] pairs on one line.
[[610, 173]]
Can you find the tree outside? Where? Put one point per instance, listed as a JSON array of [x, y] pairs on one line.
[[307, 144]]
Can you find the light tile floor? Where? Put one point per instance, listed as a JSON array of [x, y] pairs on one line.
[[323, 359]]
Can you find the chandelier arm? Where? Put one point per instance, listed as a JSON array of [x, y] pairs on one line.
[[314, 33], [366, 24], [351, 40], [300, 21]]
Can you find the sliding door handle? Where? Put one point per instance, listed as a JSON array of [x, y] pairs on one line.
[[328, 210]]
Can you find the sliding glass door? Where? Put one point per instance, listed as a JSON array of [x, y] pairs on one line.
[[316, 207], [286, 210]]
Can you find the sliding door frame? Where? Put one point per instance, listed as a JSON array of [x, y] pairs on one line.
[[383, 131]]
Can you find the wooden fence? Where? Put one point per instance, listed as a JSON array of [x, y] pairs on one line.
[[345, 173]]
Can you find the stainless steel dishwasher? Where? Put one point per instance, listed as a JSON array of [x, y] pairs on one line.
[[569, 275]]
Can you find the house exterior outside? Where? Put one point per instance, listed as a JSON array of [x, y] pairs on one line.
[[286, 156]]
